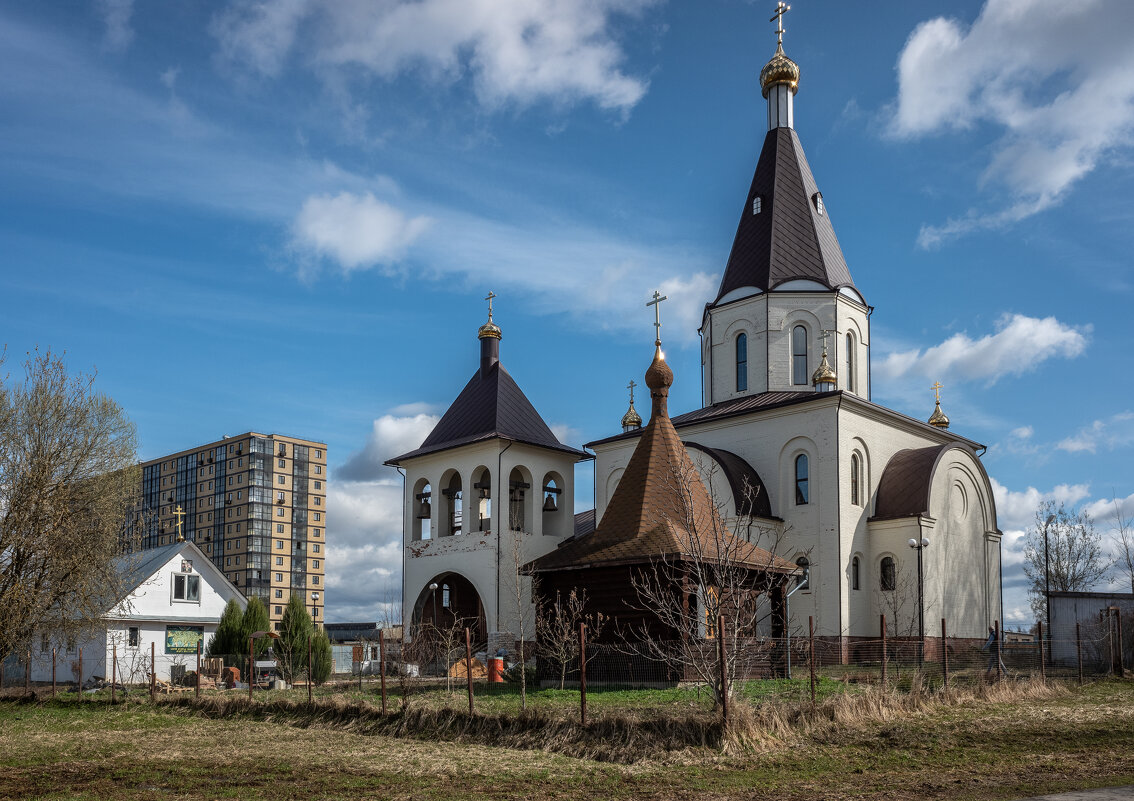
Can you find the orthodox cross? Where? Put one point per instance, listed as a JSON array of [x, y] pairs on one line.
[[658, 298], [778, 18], [630, 387], [937, 387], [824, 337], [491, 295], [180, 514]]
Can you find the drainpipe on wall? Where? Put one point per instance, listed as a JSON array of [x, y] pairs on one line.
[[499, 526], [402, 600]]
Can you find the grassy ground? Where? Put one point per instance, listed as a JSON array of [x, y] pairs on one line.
[[974, 749]]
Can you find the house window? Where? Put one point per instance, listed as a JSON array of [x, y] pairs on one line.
[[318, 469], [315, 547], [819, 203], [850, 363], [318, 517], [318, 485], [318, 501], [445, 595], [799, 355], [854, 577], [281, 480], [279, 528], [889, 574], [279, 512], [186, 588], [279, 561], [801, 492], [279, 593], [283, 463], [44, 643], [279, 576], [741, 362], [318, 454], [314, 579], [855, 481], [134, 637], [756, 204], [279, 545], [279, 610]]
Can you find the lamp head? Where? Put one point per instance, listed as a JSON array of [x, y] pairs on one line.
[[1049, 519], [924, 542], [913, 543], [433, 586]]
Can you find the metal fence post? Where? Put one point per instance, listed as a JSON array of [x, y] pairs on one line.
[[583, 674], [114, 674], [197, 682], [53, 672], [811, 650], [996, 632], [1079, 651], [724, 670], [27, 673], [153, 670], [882, 627], [944, 657], [251, 667], [80, 673], [382, 667], [1118, 632], [310, 674], [1039, 634], [468, 666]]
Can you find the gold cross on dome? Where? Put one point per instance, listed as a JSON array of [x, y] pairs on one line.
[[778, 18], [630, 387], [937, 387], [657, 299], [823, 337], [491, 295], [180, 514]]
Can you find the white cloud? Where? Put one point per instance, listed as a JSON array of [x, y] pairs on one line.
[[1056, 79], [364, 548], [390, 436], [1022, 433], [1015, 511], [1019, 345], [1105, 510], [169, 77], [116, 17], [356, 230], [515, 51], [1116, 432]]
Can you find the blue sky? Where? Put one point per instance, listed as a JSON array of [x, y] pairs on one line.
[[284, 218]]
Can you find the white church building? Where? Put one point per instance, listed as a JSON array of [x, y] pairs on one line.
[[845, 484]]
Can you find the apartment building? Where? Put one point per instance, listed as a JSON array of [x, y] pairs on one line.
[[256, 504]]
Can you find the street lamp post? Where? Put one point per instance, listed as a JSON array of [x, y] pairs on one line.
[[314, 600], [920, 546], [433, 592], [1047, 574]]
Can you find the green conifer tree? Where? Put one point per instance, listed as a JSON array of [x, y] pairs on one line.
[[291, 648], [255, 619], [321, 660], [228, 642]]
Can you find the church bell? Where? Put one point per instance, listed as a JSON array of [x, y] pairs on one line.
[[425, 511], [549, 503]]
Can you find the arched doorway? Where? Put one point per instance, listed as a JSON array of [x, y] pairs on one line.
[[454, 601]]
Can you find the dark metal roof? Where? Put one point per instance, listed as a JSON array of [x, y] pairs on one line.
[[491, 406], [903, 490], [584, 522], [750, 496], [788, 239]]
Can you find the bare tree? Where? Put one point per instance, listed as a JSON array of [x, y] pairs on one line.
[[557, 629], [517, 580], [68, 482], [1125, 542], [719, 575], [1075, 557]]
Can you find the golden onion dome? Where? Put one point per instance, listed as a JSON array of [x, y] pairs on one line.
[[780, 69], [631, 419], [824, 373], [938, 419], [489, 329]]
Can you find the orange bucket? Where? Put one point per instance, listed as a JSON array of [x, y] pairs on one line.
[[495, 669]]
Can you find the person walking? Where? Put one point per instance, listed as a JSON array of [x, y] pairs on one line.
[[993, 654]]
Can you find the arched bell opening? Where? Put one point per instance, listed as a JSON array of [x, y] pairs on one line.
[[480, 500], [520, 500], [554, 511], [422, 505], [450, 517]]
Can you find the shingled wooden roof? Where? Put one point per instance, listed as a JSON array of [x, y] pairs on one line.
[[660, 508]]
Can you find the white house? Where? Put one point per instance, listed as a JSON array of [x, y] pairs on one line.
[[175, 598]]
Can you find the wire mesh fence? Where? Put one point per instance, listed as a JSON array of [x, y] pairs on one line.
[[451, 669]]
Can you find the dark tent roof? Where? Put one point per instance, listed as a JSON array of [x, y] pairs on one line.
[[789, 239], [490, 406]]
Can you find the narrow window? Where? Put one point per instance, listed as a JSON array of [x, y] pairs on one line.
[[135, 637], [799, 355], [855, 467], [889, 576], [801, 494], [854, 573], [756, 205], [850, 363], [819, 203], [445, 595], [741, 362]]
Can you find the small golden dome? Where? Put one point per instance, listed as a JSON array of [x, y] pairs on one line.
[[938, 418], [489, 329], [780, 69], [659, 376], [631, 419], [824, 374]]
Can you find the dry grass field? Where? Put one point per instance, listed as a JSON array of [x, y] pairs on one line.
[[1008, 743]]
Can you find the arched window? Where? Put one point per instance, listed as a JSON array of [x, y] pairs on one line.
[[804, 580], [850, 363], [888, 574], [799, 355], [756, 204], [855, 481], [801, 493], [741, 362], [854, 573], [445, 595]]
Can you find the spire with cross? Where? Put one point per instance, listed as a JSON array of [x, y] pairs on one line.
[[630, 387], [656, 303], [937, 387], [778, 18], [823, 337], [180, 514], [490, 297]]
